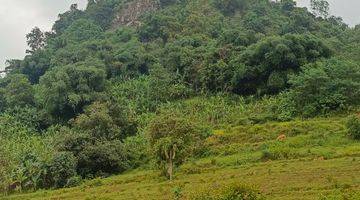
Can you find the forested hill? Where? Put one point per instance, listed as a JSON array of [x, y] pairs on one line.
[[127, 84]]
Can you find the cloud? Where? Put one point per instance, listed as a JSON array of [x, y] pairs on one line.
[[347, 9], [18, 17]]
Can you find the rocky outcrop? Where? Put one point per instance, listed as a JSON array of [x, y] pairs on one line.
[[129, 14]]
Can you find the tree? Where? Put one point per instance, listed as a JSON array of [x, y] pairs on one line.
[[67, 18], [12, 65], [173, 139], [103, 158], [217, 77], [101, 12], [62, 167], [104, 121], [320, 8], [19, 92], [35, 65], [264, 67], [326, 86], [35, 40], [64, 91], [82, 30], [95, 156], [288, 5]]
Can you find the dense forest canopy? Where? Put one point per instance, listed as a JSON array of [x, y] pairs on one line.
[[95, 97]]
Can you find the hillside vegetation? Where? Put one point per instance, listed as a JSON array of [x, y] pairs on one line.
[[184, 99], [316, 161]]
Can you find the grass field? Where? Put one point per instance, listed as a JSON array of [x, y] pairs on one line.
[[315, 161]]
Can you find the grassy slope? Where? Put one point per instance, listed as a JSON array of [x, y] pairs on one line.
[[315, 160]]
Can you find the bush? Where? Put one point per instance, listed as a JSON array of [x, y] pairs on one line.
[[137, 146], [74, 181], [62, 168], [230, 192], [268, 64], [103, 158], [105, 122], [96, 156], [64, 91], [353, 126], [326, 86]]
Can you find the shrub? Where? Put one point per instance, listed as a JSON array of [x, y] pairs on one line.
[[268, 63], [104, 121], [326, 86], [103, 158], [96, 156], [19, 92], [137, 146], [62, 168], [74, 181], [278, 153], [353, 126], [64, 91]]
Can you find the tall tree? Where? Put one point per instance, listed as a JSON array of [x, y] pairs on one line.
[[173, 139], [320, 8], [67, 18], [35, 40], [19, 91], [64, 91]]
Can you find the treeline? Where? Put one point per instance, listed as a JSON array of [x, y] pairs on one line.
[[91, 99]]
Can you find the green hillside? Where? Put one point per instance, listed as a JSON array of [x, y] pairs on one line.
[[184, 99], [315, 161]]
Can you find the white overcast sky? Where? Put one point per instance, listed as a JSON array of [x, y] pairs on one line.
[[18, 17]]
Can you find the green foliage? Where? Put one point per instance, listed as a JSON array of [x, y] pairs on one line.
[[101, 12], [103, 122], [92, 96], [28, 116], [229, 7], [74, 181], [325, 86], [353, 126], [95, 156], [64, 91], [217, 77], [23, 155], [288, 5], [103, 158], [158, 26], [67, 18], [36, 65], [19, 92], [268, 63], [320, 8], [137, 147], [62, 168], [35, 40], [81, 31], [146, 93], [173, 139]]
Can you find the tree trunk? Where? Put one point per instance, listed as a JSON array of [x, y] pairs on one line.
[[170, 161], [170, 168]]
